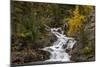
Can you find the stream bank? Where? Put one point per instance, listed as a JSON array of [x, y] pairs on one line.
[[85, 48]]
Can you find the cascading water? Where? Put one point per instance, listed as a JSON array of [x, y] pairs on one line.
[[57, 50]]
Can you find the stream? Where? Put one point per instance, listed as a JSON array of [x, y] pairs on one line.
[[57, 50]]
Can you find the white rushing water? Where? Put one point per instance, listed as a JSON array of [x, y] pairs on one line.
[[57, 50]]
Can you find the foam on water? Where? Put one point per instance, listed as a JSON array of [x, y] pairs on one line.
[[57, 50]]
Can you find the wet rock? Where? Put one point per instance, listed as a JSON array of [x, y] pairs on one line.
[[67, 50], [53, 39]]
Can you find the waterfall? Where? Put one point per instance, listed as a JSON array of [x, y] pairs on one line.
[[57, 50]]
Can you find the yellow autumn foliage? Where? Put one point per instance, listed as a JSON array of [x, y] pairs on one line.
[[75, 22]]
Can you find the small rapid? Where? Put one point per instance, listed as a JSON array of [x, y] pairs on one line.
[[57, 50]]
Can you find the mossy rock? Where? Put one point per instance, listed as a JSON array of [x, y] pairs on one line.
[[87, 50]]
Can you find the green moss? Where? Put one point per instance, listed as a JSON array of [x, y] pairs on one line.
[[87, 51]]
